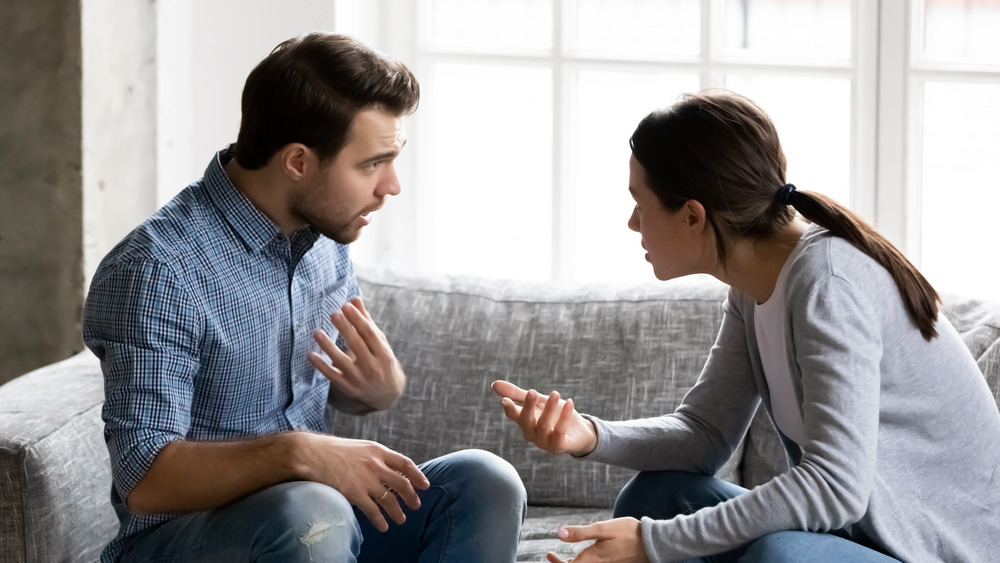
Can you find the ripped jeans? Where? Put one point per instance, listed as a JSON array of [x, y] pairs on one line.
[[472, 511]]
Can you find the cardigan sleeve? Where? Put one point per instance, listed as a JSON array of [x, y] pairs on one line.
[[705, 429]]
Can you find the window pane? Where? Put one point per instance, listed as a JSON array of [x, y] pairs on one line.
[[490, 170], [813, 117], [477, 25], [633, 28], [791, 29], [962, 31], [961, 190], [607, 106]]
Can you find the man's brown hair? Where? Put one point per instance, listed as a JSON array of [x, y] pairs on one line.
[[310, 88]]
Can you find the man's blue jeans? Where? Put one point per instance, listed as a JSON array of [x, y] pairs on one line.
[[472, 511], [665, 494]]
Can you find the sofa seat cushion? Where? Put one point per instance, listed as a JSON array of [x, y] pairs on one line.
[[538, 535]]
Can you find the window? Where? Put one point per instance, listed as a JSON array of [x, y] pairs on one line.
[[519, 158], [517, 161], [952, 85]]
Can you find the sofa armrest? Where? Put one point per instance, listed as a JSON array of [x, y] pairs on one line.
[[54, 472]]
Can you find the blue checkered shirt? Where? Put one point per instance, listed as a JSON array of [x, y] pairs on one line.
[[202, 318]]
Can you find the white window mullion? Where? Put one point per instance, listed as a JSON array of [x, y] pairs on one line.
[[559, 118], [865, 93], [893, 203]]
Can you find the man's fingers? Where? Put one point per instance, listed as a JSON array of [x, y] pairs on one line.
[[373, 338], [357, 302], [371, 510], [389, 502], [355, 342], [340, 359], [408, 471]]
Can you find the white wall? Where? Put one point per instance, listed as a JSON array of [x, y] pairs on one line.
[[206, 50]]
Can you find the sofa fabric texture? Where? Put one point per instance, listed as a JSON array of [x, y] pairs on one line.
[[620, 350]]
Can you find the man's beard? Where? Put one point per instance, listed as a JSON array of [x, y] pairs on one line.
[[338, 227]]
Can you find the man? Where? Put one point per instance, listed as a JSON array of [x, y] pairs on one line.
[[212, 322]]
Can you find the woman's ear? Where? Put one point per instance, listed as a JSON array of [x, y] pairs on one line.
[[694, 215]]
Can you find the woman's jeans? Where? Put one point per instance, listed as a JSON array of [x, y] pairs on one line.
[[472, 511], [662, 495]]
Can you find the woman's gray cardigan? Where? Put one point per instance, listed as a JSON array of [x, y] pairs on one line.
[[902, 435]]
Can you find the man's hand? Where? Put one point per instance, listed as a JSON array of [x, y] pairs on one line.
[[549, 422], [617, 541], [188, 476], [369, 475], [368, 376]]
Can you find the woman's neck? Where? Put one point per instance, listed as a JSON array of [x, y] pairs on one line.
[[753, 265]]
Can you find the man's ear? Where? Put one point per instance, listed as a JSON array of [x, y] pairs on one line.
[[297, 161], [695, 215]]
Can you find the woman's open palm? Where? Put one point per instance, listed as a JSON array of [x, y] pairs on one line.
[[549, 422]]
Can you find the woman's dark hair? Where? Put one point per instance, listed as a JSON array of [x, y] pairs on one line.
[[310, 88], [722, 150]]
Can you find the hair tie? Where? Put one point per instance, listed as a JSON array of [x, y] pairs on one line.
[[784, 194]]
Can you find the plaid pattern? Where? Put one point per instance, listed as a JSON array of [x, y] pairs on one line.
[[202, 318]]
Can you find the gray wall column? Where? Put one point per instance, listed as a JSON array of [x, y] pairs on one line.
[[65, 65]]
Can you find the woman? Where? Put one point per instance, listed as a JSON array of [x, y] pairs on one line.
[[890, 429]]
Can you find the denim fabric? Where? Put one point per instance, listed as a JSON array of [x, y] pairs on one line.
[[663, 495], [472, 511]]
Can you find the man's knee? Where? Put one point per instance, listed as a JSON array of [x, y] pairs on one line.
[[306, 516], [478, 473]]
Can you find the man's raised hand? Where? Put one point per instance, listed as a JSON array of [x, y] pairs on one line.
[[368, 374]]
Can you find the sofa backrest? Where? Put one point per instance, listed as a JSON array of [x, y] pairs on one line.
[[619, 351]]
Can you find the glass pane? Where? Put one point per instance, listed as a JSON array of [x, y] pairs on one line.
[[507, 25], [813, 117], [962, 31], [633, 28], [961, 188], [792, 29], [596, 242], [490, 170]]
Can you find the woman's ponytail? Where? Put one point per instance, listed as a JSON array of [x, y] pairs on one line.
[[919, 296]]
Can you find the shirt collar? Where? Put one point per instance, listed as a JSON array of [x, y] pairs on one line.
[[255, 228]]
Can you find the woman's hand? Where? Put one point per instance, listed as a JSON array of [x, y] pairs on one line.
[[616, 541], [549, 422]]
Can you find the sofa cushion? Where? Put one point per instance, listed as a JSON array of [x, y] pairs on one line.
[[978, 323], [538, 533], [54, 469], [620, 351]]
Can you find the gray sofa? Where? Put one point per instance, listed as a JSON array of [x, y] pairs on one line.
[[622, 351]]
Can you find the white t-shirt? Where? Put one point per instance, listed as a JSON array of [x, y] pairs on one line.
[[769, 323]]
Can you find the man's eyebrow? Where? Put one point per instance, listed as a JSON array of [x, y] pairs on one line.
[[384, 155]]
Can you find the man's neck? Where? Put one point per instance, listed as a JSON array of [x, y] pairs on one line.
[[267, 192]]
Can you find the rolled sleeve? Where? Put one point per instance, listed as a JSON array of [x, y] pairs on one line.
[[144, 327]]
